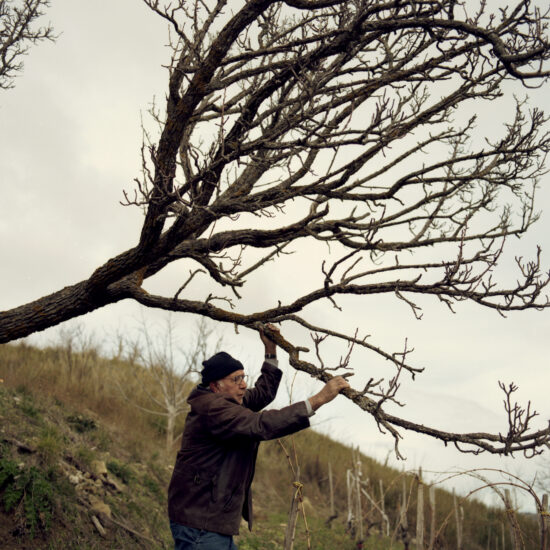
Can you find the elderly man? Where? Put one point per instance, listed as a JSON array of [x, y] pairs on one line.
[[210, 485]]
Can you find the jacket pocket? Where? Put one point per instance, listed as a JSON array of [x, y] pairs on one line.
[[232, 500], [192, 487], [205, 482]]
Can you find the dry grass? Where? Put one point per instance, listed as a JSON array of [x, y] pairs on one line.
[[90, 383], [86, 381]]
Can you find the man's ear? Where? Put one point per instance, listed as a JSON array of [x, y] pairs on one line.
[[214, 387]]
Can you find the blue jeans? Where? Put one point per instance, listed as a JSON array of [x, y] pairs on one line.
[[189, 538]]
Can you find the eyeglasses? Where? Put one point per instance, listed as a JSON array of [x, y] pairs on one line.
[[238, 379]]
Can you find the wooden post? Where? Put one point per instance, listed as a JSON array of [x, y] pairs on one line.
[[333, 514], [514, 527], [403, 523], [544, 524], [358, 491], [459, 514], [420, 513], [293, 514], [331, 489], [351, 520], [503, 537], [432, 518], [385, 519]]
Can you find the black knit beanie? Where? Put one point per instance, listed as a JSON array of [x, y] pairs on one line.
[[218, 367]]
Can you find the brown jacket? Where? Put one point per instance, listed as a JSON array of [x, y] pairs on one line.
[[210, 485]]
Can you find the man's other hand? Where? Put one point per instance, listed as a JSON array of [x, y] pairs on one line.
[[269, 344], [332, 388]]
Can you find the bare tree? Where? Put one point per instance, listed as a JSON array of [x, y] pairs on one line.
[[170, 374], [17, 32], [78, 351], [296, 122]]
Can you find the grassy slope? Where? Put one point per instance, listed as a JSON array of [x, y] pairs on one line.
[[53, 453], [63, 420]]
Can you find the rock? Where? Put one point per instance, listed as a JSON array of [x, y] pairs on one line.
[[111, 482], [99, 507], [74, 479], [99, 468]]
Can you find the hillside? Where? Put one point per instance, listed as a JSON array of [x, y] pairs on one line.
[[82, 467]]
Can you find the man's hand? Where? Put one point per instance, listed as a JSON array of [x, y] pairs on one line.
[[329, 392], [270, 345]]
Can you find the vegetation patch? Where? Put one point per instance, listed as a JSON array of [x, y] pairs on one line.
[[122, 471], [31, 487], [81, 423], [29, 409], [153, 487], [50, 444], [85, 456]]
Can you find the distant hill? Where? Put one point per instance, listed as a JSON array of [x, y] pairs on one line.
[[82, 467]]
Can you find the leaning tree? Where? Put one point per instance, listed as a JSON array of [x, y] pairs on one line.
[[347, 123]]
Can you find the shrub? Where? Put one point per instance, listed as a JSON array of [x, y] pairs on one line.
[[81, 423], [31, 486], [85, 455], [50, 444], [122, 471]]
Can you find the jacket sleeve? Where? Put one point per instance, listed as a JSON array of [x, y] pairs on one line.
[[227, 420], [265, 389]]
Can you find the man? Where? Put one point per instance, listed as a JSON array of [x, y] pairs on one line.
[[210, 485]]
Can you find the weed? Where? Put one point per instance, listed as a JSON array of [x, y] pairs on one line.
[[28, 408], [65, 488], [153, 487], [85, 455], [23, 389], [50, 444], [8, 473], [101, 439], [135, 509], [3, 407], [31, 486], [122, 471], [38, 501], [81, 423], [8, 468]]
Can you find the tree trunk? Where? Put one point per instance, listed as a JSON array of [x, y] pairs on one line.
[[170, 425], [71, 301]]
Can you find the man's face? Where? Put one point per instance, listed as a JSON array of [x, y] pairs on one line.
[[233, 385]]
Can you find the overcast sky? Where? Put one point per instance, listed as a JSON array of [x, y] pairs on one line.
[[69, 145]]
